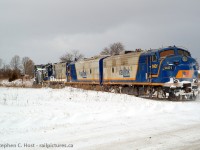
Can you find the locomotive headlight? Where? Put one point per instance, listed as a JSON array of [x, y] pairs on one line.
[[184, 59]]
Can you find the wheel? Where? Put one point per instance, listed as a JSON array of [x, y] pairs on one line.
[[160, 94], [194, 96], [178, 97]]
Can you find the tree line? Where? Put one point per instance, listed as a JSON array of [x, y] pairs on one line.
[[16, 68]]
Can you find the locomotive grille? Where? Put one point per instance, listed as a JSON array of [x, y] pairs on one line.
[[187, 85]]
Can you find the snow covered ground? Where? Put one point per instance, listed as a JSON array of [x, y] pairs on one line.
[[17, 83], [72, 118]]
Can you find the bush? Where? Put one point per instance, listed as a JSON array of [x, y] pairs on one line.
[[13, 76]]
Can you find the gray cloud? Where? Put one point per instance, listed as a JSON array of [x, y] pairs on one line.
[[45, 29]]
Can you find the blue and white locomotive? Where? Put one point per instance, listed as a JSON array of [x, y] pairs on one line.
[[164, 73]]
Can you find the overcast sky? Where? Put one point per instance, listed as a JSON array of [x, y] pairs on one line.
[[45, 29]]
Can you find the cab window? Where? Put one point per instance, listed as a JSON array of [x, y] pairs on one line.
[[154, 57], [183, 53], [166, 53]]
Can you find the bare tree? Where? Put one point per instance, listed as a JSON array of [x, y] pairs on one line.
[[68, 57], [27, 66], [15, 66], [106, 51], [1, 70], [6, 72], [1, 63], [77, 55], [113, 49], [15, 63], [116, 48]]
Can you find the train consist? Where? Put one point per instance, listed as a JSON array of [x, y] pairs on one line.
[[163, 73]]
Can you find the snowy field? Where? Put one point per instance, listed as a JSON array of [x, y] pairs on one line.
[[87, 120]]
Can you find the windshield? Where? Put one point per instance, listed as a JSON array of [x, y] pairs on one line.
[[166, 53], [183, 53]]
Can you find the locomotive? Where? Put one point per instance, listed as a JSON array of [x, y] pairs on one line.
[[168, 72]]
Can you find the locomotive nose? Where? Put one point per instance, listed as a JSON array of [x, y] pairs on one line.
[[186, 67], [180, 68], [183, 78], [187, 70]]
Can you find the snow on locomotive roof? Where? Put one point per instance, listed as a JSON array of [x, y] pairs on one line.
[[164, 49], [95, 57]]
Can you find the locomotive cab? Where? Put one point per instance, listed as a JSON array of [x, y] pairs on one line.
[[179, 73]]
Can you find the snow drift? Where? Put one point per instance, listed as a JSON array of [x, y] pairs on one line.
[[17, 83]]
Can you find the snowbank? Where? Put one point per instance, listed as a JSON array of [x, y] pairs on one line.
[[95, 120], [17, 83]]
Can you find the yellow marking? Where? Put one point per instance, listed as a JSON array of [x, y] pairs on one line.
[[133, 83], [89, 79], [119, 79], [154, 76], [85, 83], [154, 66]]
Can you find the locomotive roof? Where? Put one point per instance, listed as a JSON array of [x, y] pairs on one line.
[[96, 57], [137, 51], [148, 52], [90, 59]]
